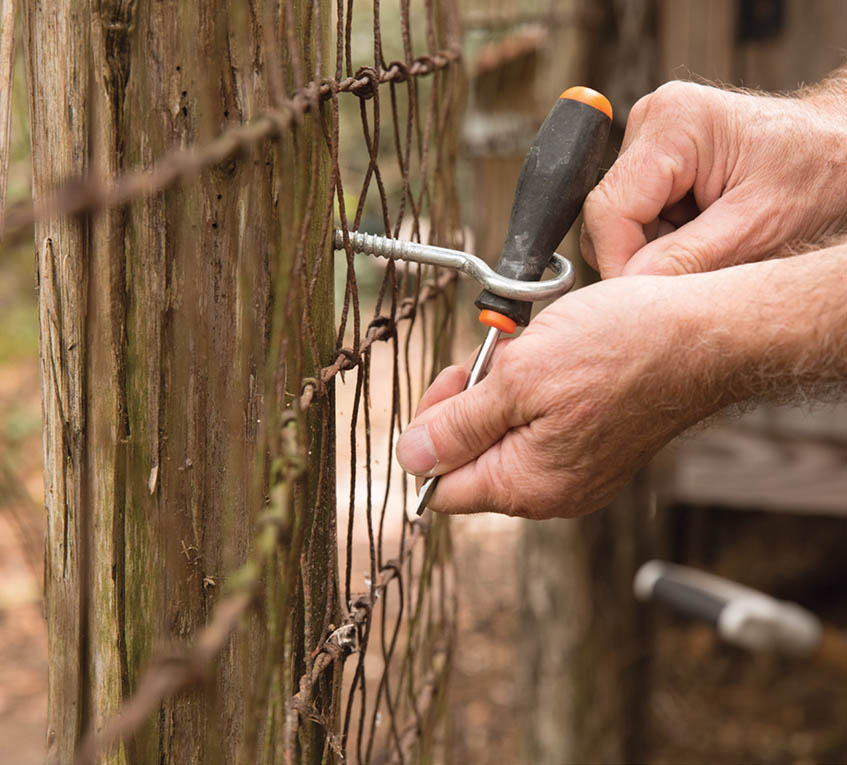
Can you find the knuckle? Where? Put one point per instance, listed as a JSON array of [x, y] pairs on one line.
[[686, 102], [686, 259], [639, 109], [452, 370], [590, 208], [586, 246], [669, 95], [451, 379], [598, 202], [669, 163]]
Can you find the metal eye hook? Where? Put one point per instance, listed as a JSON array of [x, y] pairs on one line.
[[398, 249]]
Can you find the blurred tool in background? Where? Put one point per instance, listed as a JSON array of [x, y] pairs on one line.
[[741, 615]]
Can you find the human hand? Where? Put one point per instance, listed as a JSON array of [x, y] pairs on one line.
[[709, 178], [598, 382]]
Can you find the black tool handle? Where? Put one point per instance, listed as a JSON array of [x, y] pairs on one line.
[[687, 590], [688, 599], [558, 172]]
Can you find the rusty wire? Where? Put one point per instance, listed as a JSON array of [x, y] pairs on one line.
[[393, 720], [87, 194]]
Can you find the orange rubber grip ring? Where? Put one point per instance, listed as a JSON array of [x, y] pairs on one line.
[[498, 320], [590, 97]]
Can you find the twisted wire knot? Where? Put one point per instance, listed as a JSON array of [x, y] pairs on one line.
[[366, 82], [399, 71]]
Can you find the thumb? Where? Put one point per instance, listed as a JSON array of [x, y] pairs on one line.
[[456, 430], [722, 235]]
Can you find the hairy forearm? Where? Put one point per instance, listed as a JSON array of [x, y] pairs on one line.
[[830, 92], [776, 329]]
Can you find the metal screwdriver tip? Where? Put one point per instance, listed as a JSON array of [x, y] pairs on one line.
[[427, 490], [480, 364]]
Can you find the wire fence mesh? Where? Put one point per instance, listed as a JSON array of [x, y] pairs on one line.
[[369, 670]]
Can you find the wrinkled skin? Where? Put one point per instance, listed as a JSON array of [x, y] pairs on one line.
[[607, 375], [709, 178], [570, 408]]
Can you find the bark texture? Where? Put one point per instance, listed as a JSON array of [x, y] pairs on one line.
[[7, 63], [159, 323]]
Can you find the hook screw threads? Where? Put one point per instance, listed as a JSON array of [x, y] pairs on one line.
[[371, 244]]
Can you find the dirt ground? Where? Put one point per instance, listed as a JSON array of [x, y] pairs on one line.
[[23, 659]]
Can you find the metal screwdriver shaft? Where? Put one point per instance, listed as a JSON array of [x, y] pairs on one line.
[[483, 358]]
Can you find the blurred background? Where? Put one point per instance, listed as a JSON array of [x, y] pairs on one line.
[[556, 662]]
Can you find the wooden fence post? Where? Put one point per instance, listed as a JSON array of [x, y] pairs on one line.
[[156, 326]]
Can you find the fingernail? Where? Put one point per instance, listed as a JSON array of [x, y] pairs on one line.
[[415, 451]]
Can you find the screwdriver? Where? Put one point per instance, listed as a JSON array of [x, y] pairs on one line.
[[558, 172]]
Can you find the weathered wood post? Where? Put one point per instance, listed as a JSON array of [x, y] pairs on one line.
[[160, 325]]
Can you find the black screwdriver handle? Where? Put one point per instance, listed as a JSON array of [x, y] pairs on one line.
[[558, 172]]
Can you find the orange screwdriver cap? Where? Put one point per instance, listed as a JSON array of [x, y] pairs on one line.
[[590, 97], [498, 320]]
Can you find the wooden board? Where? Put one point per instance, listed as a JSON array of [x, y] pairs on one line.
[[746, 467], [811, 43]]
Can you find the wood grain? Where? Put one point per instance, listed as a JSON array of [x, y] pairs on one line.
[[7, 66], [745, 467], [696, 37], [155, 363], [810, 45]]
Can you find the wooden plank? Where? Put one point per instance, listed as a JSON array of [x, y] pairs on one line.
[[810, 45], [737, 467], [826, 421]]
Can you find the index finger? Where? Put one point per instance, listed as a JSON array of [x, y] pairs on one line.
[[644, 180]]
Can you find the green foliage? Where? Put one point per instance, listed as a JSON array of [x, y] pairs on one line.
[[18, 311]]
